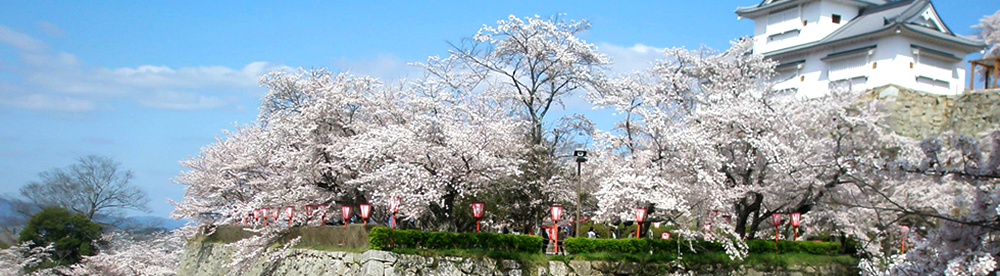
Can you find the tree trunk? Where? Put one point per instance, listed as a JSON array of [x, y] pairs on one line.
[[747, 205]]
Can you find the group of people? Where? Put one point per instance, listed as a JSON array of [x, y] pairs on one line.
[[563, 233]]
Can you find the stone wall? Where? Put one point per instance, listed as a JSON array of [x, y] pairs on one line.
[[210, 259], [918, 114]]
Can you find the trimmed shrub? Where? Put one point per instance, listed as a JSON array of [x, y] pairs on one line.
[[383, 238], [810, 247]]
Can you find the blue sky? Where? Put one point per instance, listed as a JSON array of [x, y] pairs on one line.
[[149, 84]]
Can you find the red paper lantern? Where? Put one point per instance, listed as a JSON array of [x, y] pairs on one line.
[[640, 214], [665, 235], [656, 225], [394, 204], [263, 212], [365, 209], [289, 211], [345, 211], [477, 209], [728, 218], [776, 219], [274, 213], [322, 212], [309, 210], [795, 218], [256, 213], [556, 212]]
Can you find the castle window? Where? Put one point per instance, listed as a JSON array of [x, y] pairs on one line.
[[784, 20], [849, 64], [836, 18], [932, 63]]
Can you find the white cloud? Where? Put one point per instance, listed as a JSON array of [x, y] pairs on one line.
[[178, 100], [20, 41], [386, 67], [51, 29], [628, 59], [52, 80], [48, 102]]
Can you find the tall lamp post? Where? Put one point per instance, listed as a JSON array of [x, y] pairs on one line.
[[640, 214], [365, 209], [256, 216], [345, 212], [556, 215], [581, 156], [796, 217], [394, 206], [263, 213], [477, 211]]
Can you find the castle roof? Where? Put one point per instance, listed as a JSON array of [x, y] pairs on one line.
[[882, 19]]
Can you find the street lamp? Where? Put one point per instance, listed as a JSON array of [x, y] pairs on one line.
[[394, 206], [581, 156], [289, 211], [556, 215], [365, 208], [776, 220], [796, 216], [640, 214], [477, 211], [904, 231]]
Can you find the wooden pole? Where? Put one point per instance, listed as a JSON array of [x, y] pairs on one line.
[[555, 234], [972, 74]]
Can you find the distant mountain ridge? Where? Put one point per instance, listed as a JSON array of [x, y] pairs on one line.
[[8, 214]]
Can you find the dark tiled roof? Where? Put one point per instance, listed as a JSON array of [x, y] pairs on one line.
[[767, 4], [876, 19]]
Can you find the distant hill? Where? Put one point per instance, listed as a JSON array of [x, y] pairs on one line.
[[8, 217], [159, 222]]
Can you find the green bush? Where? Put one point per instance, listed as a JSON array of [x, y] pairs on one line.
[[383, 238], [72, 234], [809, 247]]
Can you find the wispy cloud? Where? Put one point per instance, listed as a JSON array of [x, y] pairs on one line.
[[19, 40], [386, 67], [46, 79], [51, 29], [628, 59]]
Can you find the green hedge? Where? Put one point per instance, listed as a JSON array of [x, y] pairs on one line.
[[809, 247], [382, 238], [631, 246]]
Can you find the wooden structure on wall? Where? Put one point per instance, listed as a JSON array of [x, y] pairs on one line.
[[991, 72]]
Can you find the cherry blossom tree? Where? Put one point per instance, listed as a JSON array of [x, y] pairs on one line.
[[528, 65], [989, 31], [128, 254], [16, 260]]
